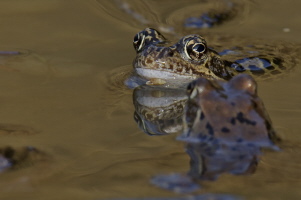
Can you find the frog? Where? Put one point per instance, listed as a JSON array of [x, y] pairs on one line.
[[226, 126], [189, 58], [227, 112]]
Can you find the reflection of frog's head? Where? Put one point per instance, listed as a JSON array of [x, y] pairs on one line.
[[209, 160], [159, 111], [230, 112]]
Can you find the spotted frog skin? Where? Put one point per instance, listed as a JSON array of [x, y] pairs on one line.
[[190, 58], [227, 112]]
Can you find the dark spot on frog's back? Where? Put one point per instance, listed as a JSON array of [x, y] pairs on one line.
[[223, 95], [254, 104], [240, 117], [225, 130], [202, 116], [170, 53], [202, 137], [210, 129], [239, 140], [233, 121]]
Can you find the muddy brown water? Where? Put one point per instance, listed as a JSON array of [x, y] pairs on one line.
[[57, 90]]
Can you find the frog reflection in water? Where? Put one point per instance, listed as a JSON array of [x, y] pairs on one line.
[[225, 126], [191, 58], [159, 111]]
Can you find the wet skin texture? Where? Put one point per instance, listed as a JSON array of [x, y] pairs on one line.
[[190, 58], [230, 112]]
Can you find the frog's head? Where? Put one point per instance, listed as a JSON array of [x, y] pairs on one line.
[[193, 49], [146, 37], [187, 59]]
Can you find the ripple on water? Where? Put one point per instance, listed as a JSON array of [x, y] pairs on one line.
[[23, 61]]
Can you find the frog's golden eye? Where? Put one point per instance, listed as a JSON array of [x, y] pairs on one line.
[[193, 48], [139, 41], [198, 49], [195, 51]]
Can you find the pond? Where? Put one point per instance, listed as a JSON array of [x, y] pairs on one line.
[[68, 114]]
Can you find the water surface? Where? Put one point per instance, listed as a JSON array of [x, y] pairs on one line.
[[59, 87]]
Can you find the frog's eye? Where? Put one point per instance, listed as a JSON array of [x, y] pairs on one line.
[[139, 41], [193, 48], [195, 51], [148, 36]]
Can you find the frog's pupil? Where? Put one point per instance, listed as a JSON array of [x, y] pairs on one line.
[[199, 48]]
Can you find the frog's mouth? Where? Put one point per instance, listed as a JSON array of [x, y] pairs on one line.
[[161, 74], [157, 66]]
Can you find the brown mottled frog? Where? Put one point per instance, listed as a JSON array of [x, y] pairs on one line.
[[227, 112], [191, 58], [225, 127]]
